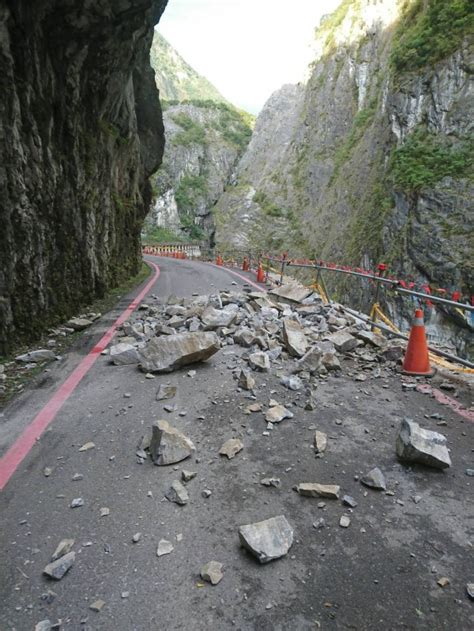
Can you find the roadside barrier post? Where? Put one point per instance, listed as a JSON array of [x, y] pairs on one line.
[[283, 263], [373, 312]]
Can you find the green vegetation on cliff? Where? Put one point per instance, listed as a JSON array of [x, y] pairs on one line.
[[425, 159], [193, 133], [429, 31], [190, 190]]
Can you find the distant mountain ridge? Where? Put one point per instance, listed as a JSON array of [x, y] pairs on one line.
[[175, 78], [205, 138]]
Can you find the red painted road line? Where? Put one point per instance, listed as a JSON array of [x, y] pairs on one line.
[[445, 400], [244, 278], [23, 444]]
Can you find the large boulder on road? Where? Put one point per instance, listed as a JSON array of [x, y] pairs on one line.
[[168, 353]]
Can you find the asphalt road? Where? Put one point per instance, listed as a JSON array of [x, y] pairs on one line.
[[380, 573]]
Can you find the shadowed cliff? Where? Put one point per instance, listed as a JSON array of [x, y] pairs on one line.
[[80, 133]]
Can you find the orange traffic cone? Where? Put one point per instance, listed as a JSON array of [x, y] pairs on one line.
[[260, 274], [219, 260], [417, 361], [245, 265]]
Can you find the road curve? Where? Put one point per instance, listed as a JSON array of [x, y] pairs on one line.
[[380, 572]]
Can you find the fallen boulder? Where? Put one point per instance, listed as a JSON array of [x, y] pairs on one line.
[[415, 444], [320, 442], [278, 413], [177, 493], [214, 318], [212, 572], [57, 569], [313, 489], [168, 353], [166, 392], [374, 479], [267, 540], [259, 361], [292, 292], [294, 338], [343, 341], [246, 381], [168, 445], [231, 448], [40, 355], [122, 354], [78, 324]]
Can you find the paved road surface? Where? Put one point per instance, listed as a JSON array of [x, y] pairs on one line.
[[380, 573]]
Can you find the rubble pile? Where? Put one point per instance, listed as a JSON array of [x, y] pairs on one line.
[[289, 330]]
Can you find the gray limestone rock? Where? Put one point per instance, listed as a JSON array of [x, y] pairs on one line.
[[214, 318], [187, 476], [164, 547], [415, 444], [64, 547], [168, 445], [166, 392], [212, 572], [259, 361], [330, 361], [231, 448], [374, 479], [277, 413], [245, 380], [349, 501], [294, 338], [123, 354], [343, 341], [177, 493], [40, 355], [57, 569], [244, 337], [267, 540], [311, 360], [374, 339], [292, 382], [320, 442], [78, 324], [292, 292], [271, 482], [168, 353], [313, 489]]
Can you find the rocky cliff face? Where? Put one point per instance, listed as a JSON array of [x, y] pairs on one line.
[[376, 160], [80, 132], [204, 141]]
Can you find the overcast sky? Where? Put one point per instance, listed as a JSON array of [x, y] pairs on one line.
[[246, 48]]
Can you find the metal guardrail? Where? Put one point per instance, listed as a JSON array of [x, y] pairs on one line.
[[281, 264]]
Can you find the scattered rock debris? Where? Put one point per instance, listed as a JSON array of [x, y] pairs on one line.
[[374, 479], [415, 444], [212, 572], [231, 448], [177, 493], [267, 540]]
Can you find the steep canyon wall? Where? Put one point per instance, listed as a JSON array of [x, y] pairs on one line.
[[372, 158], [80, 133]]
